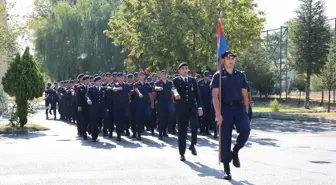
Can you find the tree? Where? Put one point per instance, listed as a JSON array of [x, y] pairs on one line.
[[24, 81], [69, 38], [299, 83], [329, 73], [258, 69], [166, 32], [311, 37], [317, 85]]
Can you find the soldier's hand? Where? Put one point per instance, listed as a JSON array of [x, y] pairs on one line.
[[200, 112], [120, 88], [79, 108], [152, 106], [177, 97], [89, 102], [140, 95], [219, 119], [160, 88]]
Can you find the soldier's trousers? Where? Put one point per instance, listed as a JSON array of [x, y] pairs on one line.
[[233, 115], [206, 118], [109, 119], [184, 113], [133, 117], [143, 111], [84, 120], [121, 116], [165, 110], [97, 116]]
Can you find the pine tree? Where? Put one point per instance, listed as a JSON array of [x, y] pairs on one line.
[[329, 73], [311, 37], [24, 81]]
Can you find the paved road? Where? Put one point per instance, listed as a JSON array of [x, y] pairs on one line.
[[278, 153]]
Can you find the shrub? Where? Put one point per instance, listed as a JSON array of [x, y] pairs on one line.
[[24, 81], [275, 105]]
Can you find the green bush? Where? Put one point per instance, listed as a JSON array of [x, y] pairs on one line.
[[275, 105], [24, 81]]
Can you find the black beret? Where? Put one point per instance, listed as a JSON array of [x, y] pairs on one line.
[[96, 78], [182, 65], [80, 76], [86, 77]]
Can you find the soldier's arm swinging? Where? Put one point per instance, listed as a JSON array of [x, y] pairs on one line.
[[245, 98], [174, 90]]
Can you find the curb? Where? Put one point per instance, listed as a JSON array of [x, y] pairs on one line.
[[14, 132], [292, 117]]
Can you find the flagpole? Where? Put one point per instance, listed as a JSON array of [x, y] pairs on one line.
[[220, 103]]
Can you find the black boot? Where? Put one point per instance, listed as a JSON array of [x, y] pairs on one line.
[[139, 137], [227, 172], [235, 158]]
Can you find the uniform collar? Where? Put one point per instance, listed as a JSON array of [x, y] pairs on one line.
[[234, 72]]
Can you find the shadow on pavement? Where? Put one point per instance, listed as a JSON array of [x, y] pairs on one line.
[[98, 144], [25, 135], [269, 125], [206, 171]]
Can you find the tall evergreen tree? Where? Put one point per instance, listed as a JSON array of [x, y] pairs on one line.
[[311, 40], [329, 73]]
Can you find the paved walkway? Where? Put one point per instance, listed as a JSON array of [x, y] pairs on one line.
[[277, 153]]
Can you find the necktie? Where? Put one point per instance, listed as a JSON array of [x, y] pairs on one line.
[[185, 80]]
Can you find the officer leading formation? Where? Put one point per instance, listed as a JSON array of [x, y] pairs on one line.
[[132, 105]]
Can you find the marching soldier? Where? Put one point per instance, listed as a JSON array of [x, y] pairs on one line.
[[109, 102], [232, 111], [143, 104], [164, 103], [48, 99], [121, 104], [83, 105], [96, 97], [188, 105], [205, 90]]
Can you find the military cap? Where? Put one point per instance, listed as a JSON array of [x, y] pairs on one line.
[[86, 77], [163, 71], [149, 78], [176, 75], [96, 78], [95, 75], [55, 83], [114, 74], [228, 53], [102, 74], [198, 76], [108, 74], [141, 73], [206, 73], [154, 75], [119, 74], [130, 75], [182, 65], [72, 81], [49, 84], [80, 76]]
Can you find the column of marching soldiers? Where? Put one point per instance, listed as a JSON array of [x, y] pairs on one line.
[[124, 104]]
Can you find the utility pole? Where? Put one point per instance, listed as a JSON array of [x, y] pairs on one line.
[[280, 61]]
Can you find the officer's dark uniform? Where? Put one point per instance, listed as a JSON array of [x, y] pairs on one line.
[[187, 110], [84, 114], [97, 109], [205, 90], [48, 99], [250, 114], [233, 113], [152, 123], [121, 106], [164, 105], [109, 102], [142, 105]]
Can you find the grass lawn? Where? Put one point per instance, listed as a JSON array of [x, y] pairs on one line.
[[27, 127], [285, 109]]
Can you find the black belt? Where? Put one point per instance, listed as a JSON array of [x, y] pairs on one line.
[[232, 103]]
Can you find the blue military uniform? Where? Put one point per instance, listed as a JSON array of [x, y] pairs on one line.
[[233, 113], [205, 90], [250, 114], [142, 105], [164, 106], [84, 113], [121, 106]]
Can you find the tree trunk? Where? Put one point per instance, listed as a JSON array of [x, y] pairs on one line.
[[322, 98], [329, 100], [334, 95], [22, 110], [308, 89], [299, 98]]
